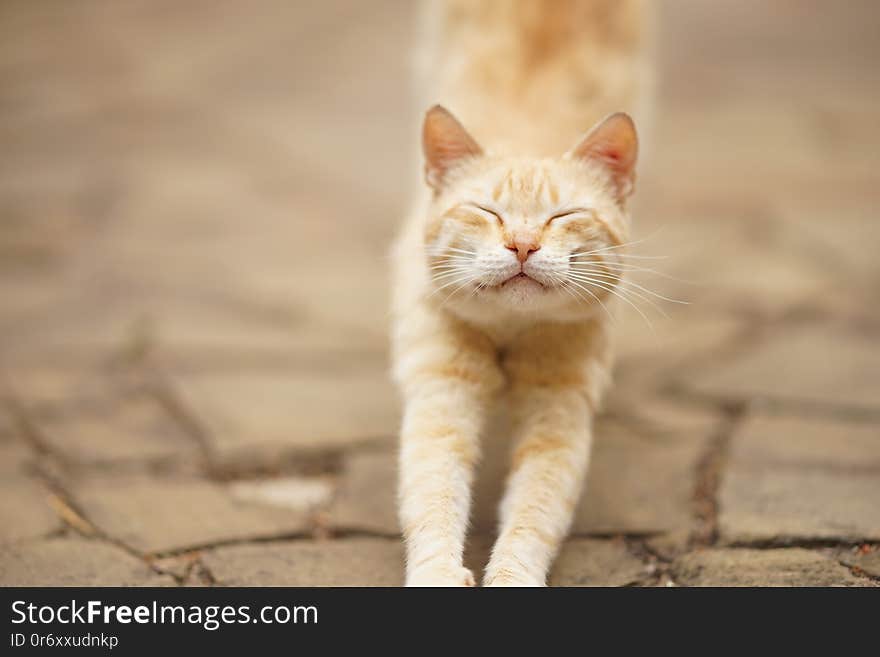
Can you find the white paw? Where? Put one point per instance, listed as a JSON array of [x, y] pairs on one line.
[[441, 576], [505, 577]]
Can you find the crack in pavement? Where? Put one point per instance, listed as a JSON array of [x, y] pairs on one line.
[[164, 393], [258, 539], [74, 517], [858, 572], [60, 499], [709, 470]]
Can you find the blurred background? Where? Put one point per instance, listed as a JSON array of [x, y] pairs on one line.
[[196, 204]]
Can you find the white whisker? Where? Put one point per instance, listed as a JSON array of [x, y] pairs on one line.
[[465, 283], [628, 293], [450, 259], [449, 274], [592, 294], [629, 267], [640, 257], [619, 293], [565, 288], [624, 281], [461, 265], [466, 278], [614, 247]]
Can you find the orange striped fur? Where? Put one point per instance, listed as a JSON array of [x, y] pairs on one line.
[[487, 299]]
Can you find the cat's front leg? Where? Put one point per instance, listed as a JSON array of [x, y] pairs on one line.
[[448, 381], [557, 374], [438, 451], [547, 472]]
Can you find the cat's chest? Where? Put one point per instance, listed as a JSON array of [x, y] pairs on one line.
[[505, 334]]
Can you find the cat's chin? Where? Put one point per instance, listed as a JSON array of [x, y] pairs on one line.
[[523, 295], [519, 292]]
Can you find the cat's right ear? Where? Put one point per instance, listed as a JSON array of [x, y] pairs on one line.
[[446, 144], [613, 144]]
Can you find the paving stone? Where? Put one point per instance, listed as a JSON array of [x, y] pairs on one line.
[[669, 545], [790, 478], [351, 328], [212, 325], [349, 562], [240, 329], [265, 414], [367, 496], [25, 510], [129, 429], [15, 457], [778, 567], [643, 472], [160, 515], [868, 562], [74, 562], [94, 417], [660, 415], [814, 364], [841, 239], [491, 475], [704, 243], [645, 355], [50, 391], [7, 425], [640, 481], [592, 562], [180, 566]]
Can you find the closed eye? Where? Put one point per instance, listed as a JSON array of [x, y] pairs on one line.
[[568, 213], [491, 212]]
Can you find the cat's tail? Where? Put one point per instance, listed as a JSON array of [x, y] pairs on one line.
[[534, 56], [530, 32]]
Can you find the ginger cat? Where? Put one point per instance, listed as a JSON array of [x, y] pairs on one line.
[[506, 269]]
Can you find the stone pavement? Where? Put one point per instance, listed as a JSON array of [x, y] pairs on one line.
[[196, 203]]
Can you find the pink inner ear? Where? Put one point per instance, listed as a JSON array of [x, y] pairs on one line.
[[613, 158], [614, 144], [445, 142], [612, 155]]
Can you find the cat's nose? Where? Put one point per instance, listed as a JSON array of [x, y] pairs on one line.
[[523, 247]]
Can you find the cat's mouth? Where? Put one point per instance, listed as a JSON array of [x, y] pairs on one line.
[[519, 278]]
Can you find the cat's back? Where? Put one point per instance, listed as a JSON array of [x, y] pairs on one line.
[[528, 75]]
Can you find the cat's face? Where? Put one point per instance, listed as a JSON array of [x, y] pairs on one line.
[[526, 235]]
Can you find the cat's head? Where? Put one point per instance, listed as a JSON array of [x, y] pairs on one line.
[[527, 235]]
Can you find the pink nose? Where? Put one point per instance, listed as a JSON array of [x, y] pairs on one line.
[[523, 248]]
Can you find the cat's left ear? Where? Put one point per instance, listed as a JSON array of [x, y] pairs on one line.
[[612, 143], [446, 144]]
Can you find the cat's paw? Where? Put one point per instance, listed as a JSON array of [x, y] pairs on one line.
[[441, 576], [506, 577]]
